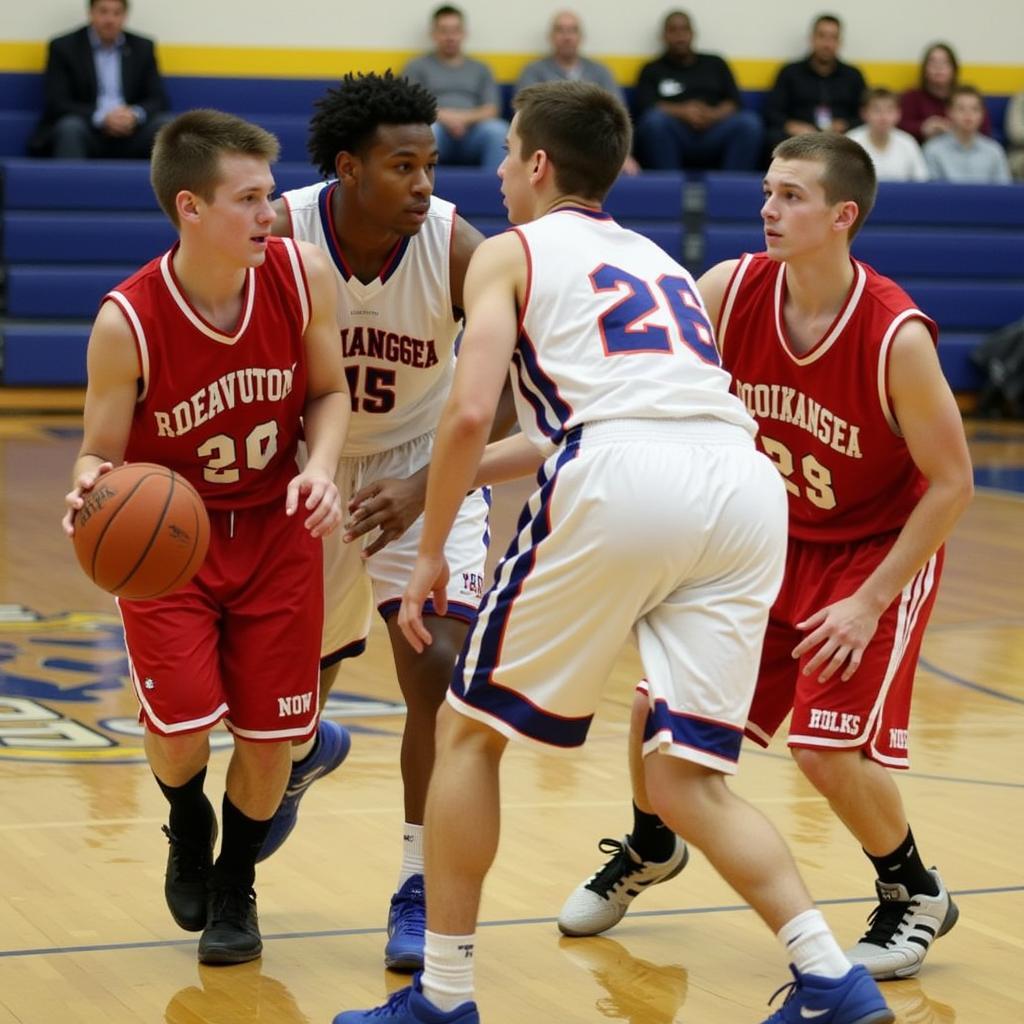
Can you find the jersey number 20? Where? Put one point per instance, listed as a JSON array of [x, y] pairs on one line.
[[622, 326]]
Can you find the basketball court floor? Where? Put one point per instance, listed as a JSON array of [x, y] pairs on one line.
[[85, 937]]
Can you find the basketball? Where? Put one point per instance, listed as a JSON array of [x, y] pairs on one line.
[[142, 532]]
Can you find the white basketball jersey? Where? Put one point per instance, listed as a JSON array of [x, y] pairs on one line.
[[397, 332], [612, 328]]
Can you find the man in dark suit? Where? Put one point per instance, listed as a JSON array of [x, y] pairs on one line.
[[104, 97]]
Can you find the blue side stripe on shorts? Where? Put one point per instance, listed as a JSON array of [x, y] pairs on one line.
[[482, 692], [712, 737]]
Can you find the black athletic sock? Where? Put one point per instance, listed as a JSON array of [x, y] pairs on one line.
[[651, 838], [904, 866], [240, 844], [192, 813]]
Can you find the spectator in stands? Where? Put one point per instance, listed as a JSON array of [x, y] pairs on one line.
[[688, 108], [468, 128], [924, 108], [818, 93], [104, 96], [963, 154], [566, 64], [895, 153], [1015, 135]]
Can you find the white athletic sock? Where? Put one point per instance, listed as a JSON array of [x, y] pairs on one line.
[[448, 969], [812, 947], [300, 751], [412, 853]]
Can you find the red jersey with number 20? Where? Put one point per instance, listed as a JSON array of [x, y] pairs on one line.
[[825, 417], [223, 410]]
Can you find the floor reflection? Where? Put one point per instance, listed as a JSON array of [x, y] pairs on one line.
[[638, 991], [232, 995]]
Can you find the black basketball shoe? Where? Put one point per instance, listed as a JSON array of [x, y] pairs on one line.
[[232, 934], [188, 868]]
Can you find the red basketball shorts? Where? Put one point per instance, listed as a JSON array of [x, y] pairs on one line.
[[241, 642], [871, 710]]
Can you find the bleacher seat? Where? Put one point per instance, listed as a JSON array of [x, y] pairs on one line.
[[45, 354], [69, 237], [735, 196], [15, 128], [898, 252]]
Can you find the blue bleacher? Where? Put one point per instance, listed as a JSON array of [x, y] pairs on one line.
[[71, 230]]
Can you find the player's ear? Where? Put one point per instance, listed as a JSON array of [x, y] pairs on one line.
[[846, 215], [187, 205], [539, 164], [346, 167]]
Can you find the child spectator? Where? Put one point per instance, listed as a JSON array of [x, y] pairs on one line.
[[963, 154], [895, 153]]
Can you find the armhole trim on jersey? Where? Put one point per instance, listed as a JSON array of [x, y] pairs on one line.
[[520, 326], [288, 212], [731, 291], [301, 282], [884, 398], [448, 270], [141, 346]]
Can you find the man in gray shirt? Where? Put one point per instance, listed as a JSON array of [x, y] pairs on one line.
[[963, 154], [468, 129], [566, 64]]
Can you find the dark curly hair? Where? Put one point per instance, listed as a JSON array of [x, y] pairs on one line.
[[347, 117]]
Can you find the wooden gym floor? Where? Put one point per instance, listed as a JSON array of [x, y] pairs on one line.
[[85, 937]]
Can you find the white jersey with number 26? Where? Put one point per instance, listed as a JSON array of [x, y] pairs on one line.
[[611, 327]]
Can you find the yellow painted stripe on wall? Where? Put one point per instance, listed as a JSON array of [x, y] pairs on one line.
[[270, 62]]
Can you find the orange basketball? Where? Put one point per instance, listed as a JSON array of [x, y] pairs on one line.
[[142, 532]]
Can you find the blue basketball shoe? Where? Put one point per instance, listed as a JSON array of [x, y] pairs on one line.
[[332, 746], [852, 999], [410, 1006], [407, 922]]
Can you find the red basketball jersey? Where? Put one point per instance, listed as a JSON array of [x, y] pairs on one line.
[[221, 409], [825, 417]]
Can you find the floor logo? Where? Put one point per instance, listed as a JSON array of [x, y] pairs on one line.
[[65, 691]]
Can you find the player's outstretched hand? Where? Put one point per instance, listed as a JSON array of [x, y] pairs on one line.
[[391, 505], [322, 501], [429, 577], [74, 500], [840, 632]]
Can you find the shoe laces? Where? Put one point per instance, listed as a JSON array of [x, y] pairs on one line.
[[190, 859], [396, 1001], [885, 922], [790, 988], [409, 909], [231, 904], [616, 870]]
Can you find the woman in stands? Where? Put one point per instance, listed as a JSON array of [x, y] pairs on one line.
[[924, 108]]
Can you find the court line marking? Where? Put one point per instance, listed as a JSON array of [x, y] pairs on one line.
[[967, 684], [349, 932]]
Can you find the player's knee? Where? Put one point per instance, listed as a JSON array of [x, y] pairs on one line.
[[685, 795], [457, 733], [823, 769]]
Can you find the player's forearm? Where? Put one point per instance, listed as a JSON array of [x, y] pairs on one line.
[[924, 532], [508, 459], [458, 448], [325, 421]]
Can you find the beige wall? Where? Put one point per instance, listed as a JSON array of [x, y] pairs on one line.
[[983, 32]]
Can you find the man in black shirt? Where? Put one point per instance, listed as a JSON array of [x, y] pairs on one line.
[[818, 93], [688, 109]]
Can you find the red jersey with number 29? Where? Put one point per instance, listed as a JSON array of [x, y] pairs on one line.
[[222, 409], [825, 417]]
